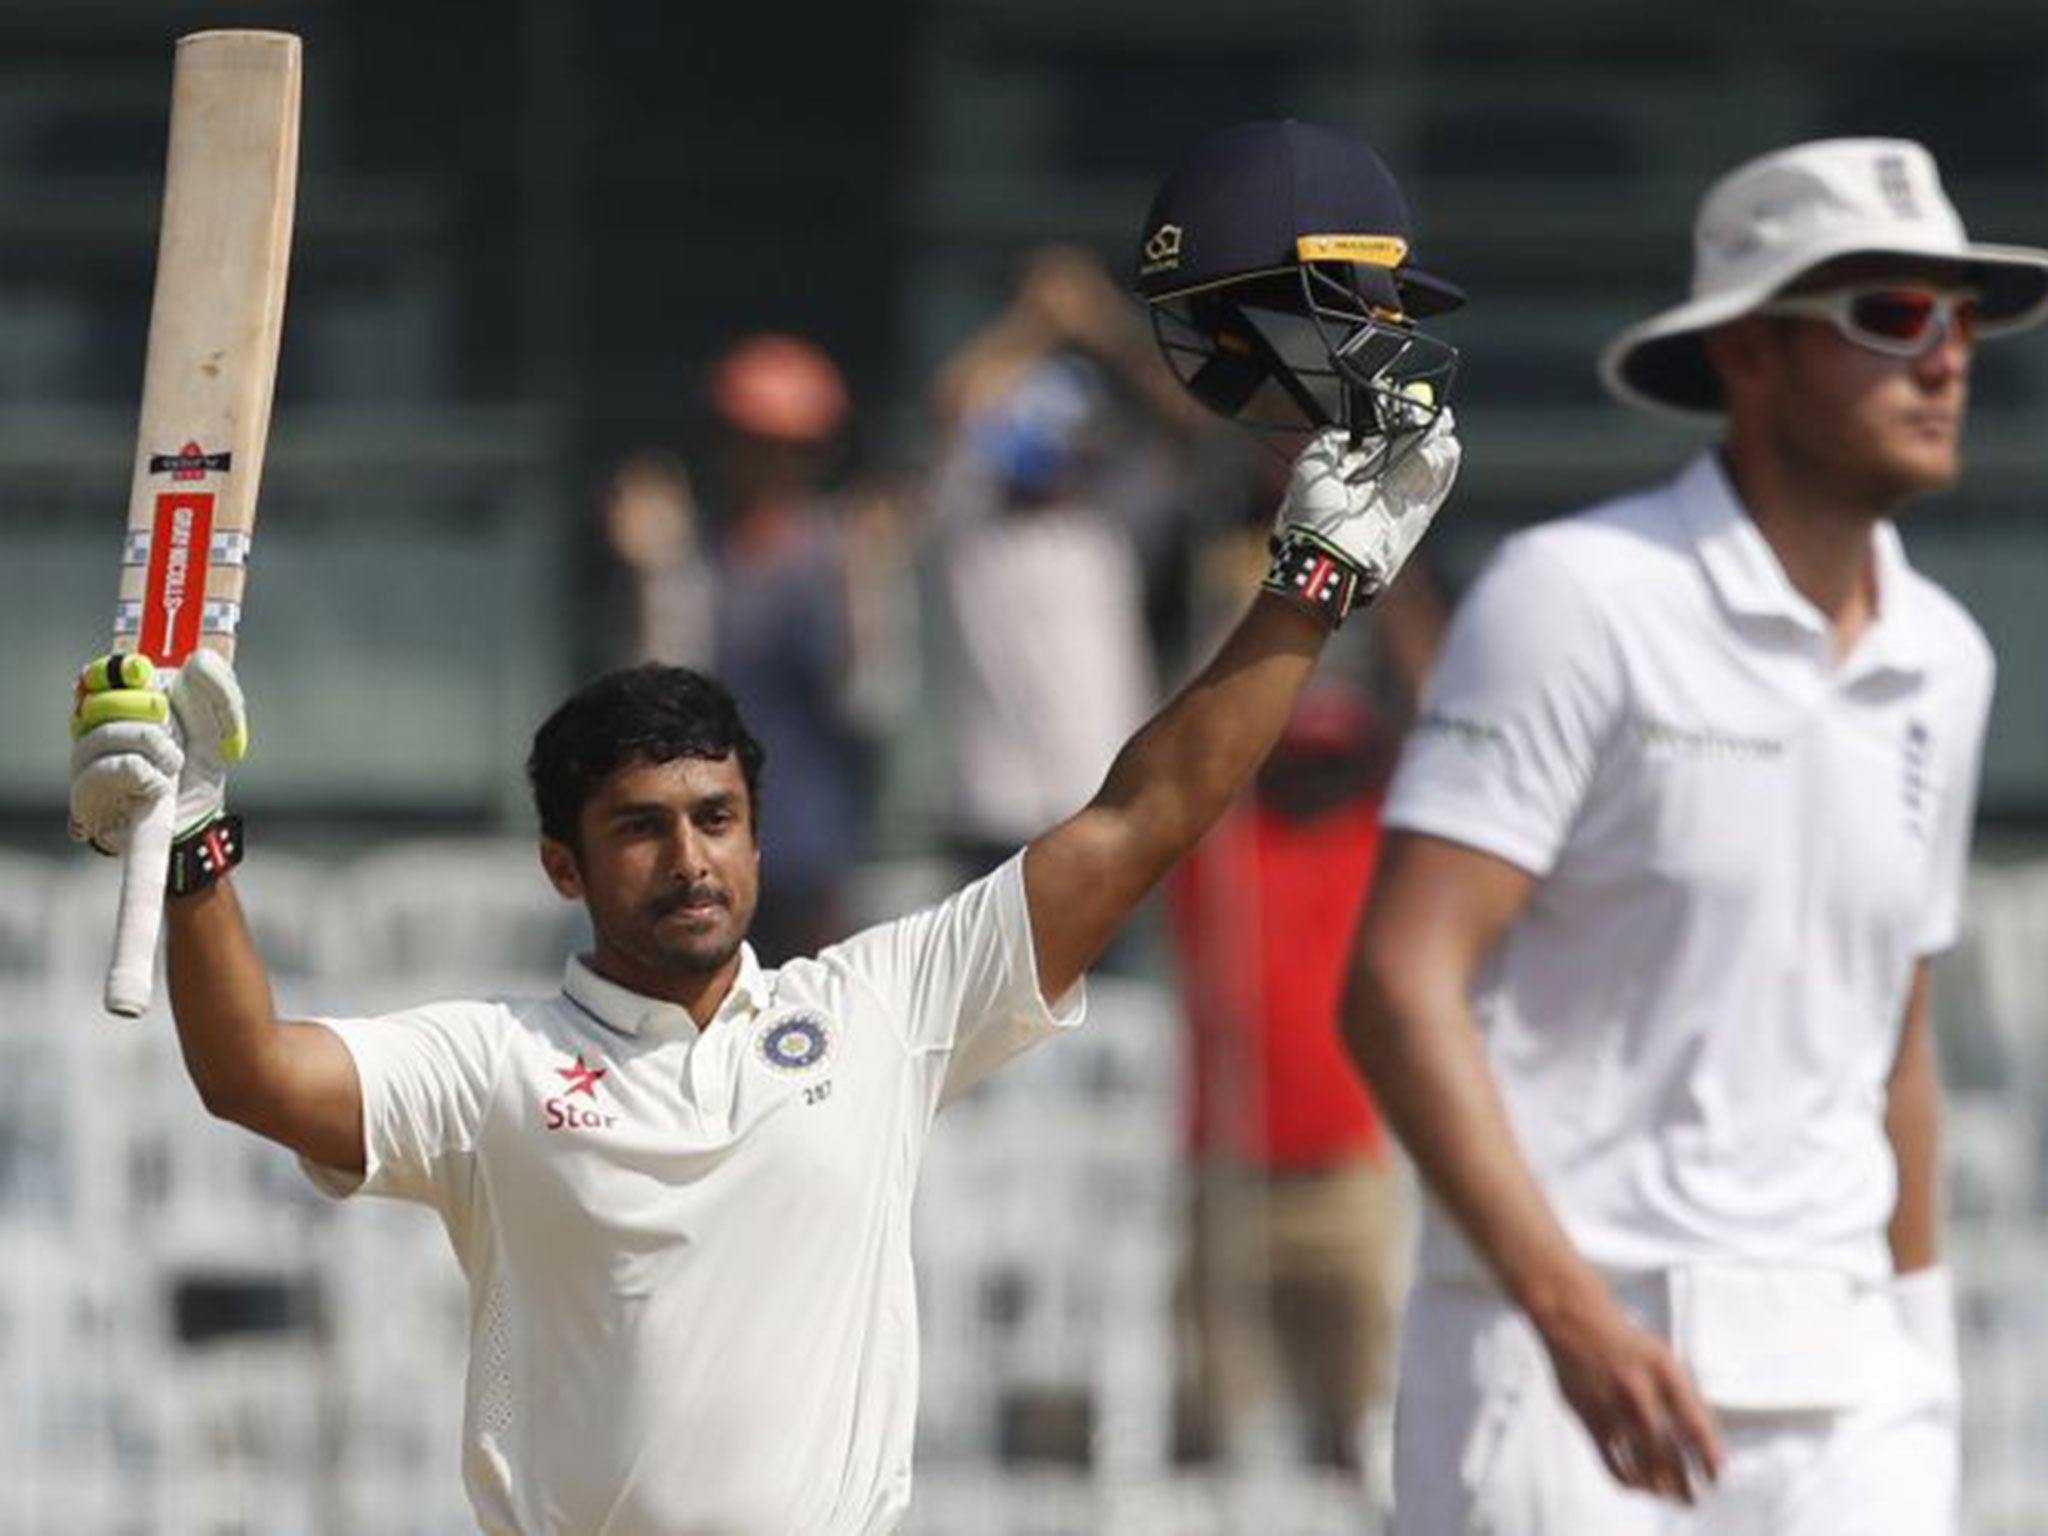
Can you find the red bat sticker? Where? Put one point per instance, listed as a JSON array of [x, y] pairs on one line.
[[176, 589]]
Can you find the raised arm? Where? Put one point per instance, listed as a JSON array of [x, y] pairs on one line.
[[1342, 534], [290, 1081], [1167, 787], [1436, 911], [294, 1083]]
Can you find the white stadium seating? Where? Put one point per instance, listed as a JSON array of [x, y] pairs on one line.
[[1048, 1231]]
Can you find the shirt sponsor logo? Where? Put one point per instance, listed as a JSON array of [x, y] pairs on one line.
[[796, 1043], [563, 1112], [1697, 742], [1468, 729]]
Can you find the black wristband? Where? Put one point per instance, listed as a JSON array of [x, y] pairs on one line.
[[1314, 574], [203, 855]]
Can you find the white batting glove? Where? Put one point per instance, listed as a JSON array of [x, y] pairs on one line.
[[1344, 530], [134, 742]]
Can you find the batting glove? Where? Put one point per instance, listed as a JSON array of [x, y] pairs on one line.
[[134, 742], [1348, 524]]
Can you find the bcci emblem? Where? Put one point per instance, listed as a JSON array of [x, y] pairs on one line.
[[797, 1043], [1162, 250]]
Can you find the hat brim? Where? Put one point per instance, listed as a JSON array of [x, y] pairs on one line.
[[1661, 364]]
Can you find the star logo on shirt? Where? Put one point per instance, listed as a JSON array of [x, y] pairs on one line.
[[580, 1078]]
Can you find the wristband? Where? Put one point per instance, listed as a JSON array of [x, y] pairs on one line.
[[202, 856], [1314, 574]]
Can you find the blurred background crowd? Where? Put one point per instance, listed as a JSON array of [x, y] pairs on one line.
[[794, 342]]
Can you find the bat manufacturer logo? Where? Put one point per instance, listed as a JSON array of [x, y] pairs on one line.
[[190, 462], [1320, 581], [177, 575]]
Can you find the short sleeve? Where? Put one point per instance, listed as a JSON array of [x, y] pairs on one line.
[[1516, 714], [961, 979], [1956, 820], [426, 1075]]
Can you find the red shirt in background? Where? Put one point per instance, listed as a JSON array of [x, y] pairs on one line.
[[1263, 913]]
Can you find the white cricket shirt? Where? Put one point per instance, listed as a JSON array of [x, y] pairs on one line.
[[1743, 848], [688, 1254]]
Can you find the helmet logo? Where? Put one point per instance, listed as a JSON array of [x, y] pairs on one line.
[[1162, 250]]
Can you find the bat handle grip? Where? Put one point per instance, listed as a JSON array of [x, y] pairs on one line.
[[131, 978]]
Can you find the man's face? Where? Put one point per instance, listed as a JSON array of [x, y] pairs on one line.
[[1880, 428], [669, 868]]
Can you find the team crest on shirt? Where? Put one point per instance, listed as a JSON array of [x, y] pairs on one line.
[[1918, 767], [796, 1042]]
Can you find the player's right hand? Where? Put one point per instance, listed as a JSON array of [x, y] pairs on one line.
[[1346, 501], [134, 742], [1653, 1431]]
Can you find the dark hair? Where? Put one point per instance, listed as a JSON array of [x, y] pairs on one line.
[[652, 712]]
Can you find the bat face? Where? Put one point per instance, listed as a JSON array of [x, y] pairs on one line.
[[230, 177], [214, 328]]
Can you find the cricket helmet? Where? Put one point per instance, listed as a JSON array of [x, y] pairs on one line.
[[1275, 266]]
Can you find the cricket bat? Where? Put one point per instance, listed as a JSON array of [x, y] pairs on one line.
[[214, 323]]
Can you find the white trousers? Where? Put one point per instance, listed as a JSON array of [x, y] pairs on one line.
[[1485, 1445]]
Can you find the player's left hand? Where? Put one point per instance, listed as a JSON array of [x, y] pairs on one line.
[[134, 741], [1340, 503]]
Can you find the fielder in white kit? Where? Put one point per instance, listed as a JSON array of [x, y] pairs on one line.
[[1643, 982]]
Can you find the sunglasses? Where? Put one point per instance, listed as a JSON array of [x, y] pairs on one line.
[[1885, 317]]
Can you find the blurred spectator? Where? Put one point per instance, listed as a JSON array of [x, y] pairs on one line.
[[783, 643], [1065, 302], [791, 595], [652, 527], [1060, 509], [1290, 1285], [1051, 668], [1164, 463]]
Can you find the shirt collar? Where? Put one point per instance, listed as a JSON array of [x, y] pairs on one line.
[[626, 1012], [1748, 579]]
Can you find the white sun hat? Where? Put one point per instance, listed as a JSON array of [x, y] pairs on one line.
[[1778, 217]]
